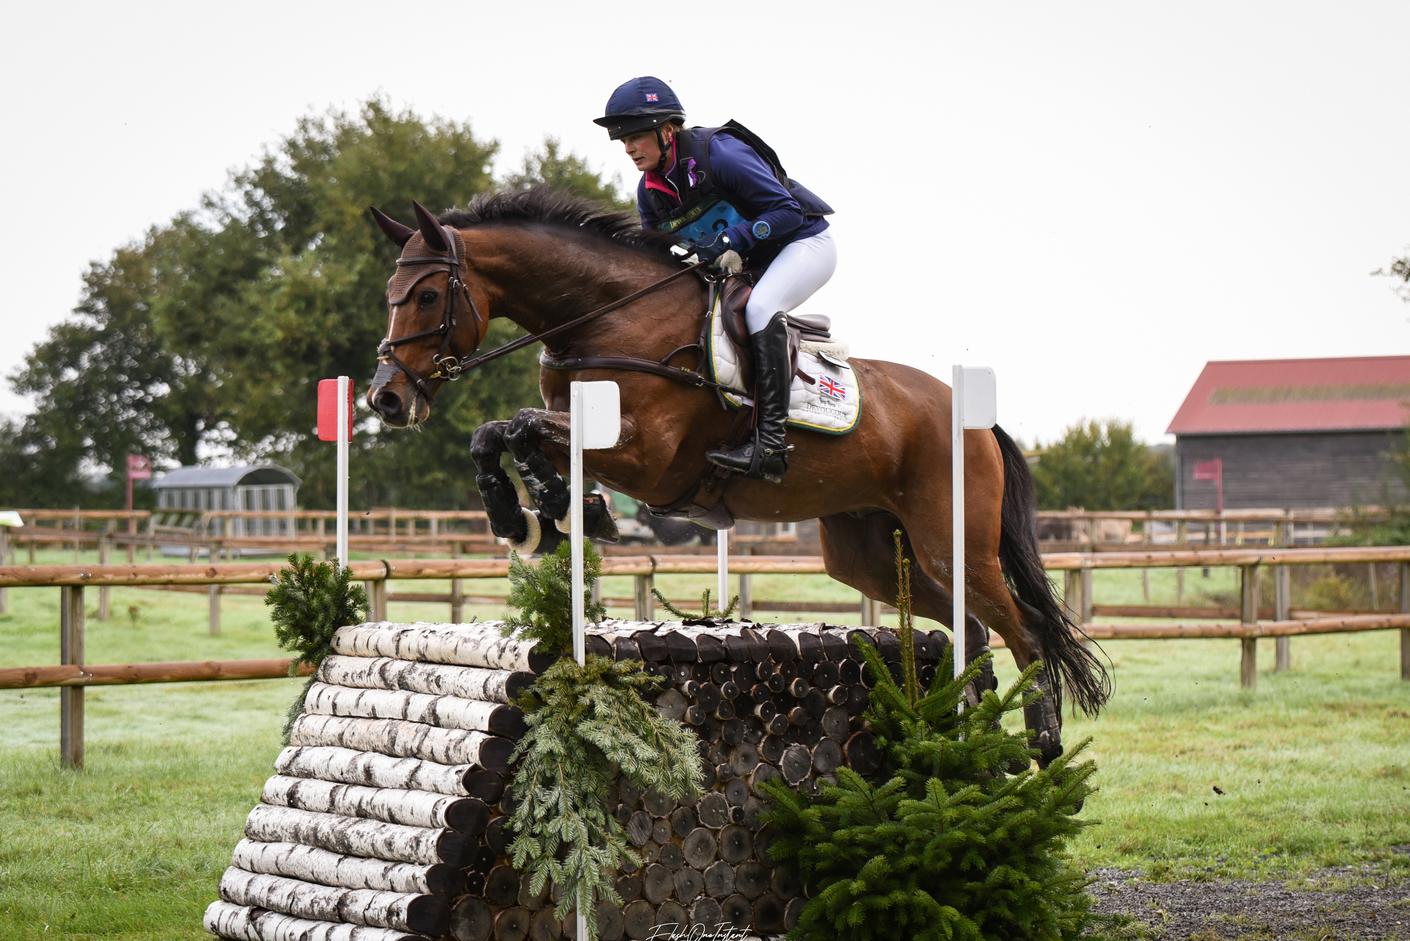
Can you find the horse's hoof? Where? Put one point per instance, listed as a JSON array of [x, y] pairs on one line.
[[533, 532]]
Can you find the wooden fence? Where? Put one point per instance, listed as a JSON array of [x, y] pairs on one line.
[[73, 673]]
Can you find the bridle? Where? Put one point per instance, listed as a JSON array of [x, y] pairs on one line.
[[449, 365]]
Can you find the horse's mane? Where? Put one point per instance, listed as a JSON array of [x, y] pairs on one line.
[[547, 206]]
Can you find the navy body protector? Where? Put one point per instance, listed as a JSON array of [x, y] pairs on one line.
[[704, 211]]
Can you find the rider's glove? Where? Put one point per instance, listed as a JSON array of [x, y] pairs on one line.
[[719, 255]]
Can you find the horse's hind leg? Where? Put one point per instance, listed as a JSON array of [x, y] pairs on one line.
[[859, 550]]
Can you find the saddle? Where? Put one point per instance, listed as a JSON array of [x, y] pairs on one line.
[[815, 327]]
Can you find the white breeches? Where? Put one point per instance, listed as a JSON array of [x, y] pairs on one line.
[[798, 271]]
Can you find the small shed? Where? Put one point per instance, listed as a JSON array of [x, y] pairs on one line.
[[1294, 433], [266, 488]]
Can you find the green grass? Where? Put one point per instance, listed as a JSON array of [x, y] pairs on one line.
[[1314, 763]]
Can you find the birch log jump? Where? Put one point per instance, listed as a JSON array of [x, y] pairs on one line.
[[388, 816]]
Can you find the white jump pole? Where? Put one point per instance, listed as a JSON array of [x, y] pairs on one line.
[[721, 568], [594, 421], [343, 395], [972, 405]]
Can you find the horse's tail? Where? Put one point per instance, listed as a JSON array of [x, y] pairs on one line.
[[1069, 663]]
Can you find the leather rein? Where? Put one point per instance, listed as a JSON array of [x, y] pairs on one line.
[[450, 366]]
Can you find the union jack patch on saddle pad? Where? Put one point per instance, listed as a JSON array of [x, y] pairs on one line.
[[831, 388]]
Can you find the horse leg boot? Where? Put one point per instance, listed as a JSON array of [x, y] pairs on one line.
[[546, 487], [765, 455], [508, 520]]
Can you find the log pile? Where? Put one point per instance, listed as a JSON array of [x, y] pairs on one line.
[[386, 819]]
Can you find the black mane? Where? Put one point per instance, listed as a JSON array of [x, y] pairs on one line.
[[546, 206]]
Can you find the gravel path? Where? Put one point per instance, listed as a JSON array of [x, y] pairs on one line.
[[1342, 904]]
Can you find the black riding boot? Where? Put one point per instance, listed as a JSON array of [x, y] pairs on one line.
[[766, 456]]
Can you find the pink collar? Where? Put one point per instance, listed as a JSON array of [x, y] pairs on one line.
[[657, 181]]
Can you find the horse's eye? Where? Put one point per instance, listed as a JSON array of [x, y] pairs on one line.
[[426, 298]]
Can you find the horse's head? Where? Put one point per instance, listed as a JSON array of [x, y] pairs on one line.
[[433, 322]]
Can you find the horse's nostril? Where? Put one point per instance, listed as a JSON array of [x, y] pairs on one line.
[[387, 402]]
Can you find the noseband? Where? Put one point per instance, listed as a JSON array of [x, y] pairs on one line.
[[447, 361]]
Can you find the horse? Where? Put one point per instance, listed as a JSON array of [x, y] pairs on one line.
[[607, 301]]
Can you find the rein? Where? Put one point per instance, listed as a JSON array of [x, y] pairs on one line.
[[450, 367]]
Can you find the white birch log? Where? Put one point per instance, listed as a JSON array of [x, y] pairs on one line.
[[471, 645], [422, 914], [355, 767], [437, 679], [349, 872], [390, 805], [243, 923], [447, 712], [354, 837], [404, 740]]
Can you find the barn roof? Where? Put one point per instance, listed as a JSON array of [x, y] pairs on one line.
[[243, 475], [1356, 393]]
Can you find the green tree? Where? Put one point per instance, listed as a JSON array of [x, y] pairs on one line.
[[1099, 465], [211, 331]]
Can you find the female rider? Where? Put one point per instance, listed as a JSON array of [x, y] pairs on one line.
[[723, 191]]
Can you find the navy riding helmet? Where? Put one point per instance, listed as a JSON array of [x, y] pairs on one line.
[[640, 104]]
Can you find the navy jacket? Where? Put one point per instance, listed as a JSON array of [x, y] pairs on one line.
[[768, 215]]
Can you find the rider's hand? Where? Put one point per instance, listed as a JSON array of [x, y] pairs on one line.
[[719, 255]]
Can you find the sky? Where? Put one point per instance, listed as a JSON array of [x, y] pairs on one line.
[[1094, 199]]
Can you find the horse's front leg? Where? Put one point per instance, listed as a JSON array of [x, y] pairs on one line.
[[508, 520], [530, 437]]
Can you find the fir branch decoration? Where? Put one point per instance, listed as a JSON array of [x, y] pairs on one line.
[[542, 595], [706, 615], [908, 624], [310, 601], [944, 844], [586, 725]]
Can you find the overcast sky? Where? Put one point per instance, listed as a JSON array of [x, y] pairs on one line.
[[1092, 198]]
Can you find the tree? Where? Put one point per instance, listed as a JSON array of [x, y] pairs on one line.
[[1099, 465], [209, 332]]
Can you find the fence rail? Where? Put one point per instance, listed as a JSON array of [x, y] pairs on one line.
[[72, 675]]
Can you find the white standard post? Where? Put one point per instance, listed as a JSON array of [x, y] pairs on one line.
[[343, 389], [972, 405], [722, 569], [575, 529], [594, 421], [957, 518]]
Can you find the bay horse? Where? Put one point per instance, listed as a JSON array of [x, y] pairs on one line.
[[553, 264]]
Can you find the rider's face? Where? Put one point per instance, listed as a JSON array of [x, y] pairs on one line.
[[643, 149]]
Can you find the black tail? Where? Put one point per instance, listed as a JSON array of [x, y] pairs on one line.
[[1069, 663]]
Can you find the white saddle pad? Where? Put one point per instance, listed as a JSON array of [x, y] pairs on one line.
[[831, 403]]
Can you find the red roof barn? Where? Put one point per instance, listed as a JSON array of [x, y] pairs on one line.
[[1294, 432]]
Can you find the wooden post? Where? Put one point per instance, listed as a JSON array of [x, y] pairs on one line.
[[457, 591], [1086, 596], [1375, 588], [103, 546], [1405, 632], [1248, 593], [1282, 605], [4, 560], [1182, 535], [377, 599], [746, 596], [645, 600], [1072, 593], [77, 532], [213, 592], [151, 534], [71, 697]]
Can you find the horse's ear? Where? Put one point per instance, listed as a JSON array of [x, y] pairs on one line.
[[431, 230], [394, 230]]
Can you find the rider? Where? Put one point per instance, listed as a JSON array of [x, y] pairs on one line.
[[723, 190]]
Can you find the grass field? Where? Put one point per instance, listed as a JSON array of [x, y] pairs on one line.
[[1314, 765]]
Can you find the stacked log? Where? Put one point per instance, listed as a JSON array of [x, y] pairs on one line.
[[387, 818]]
